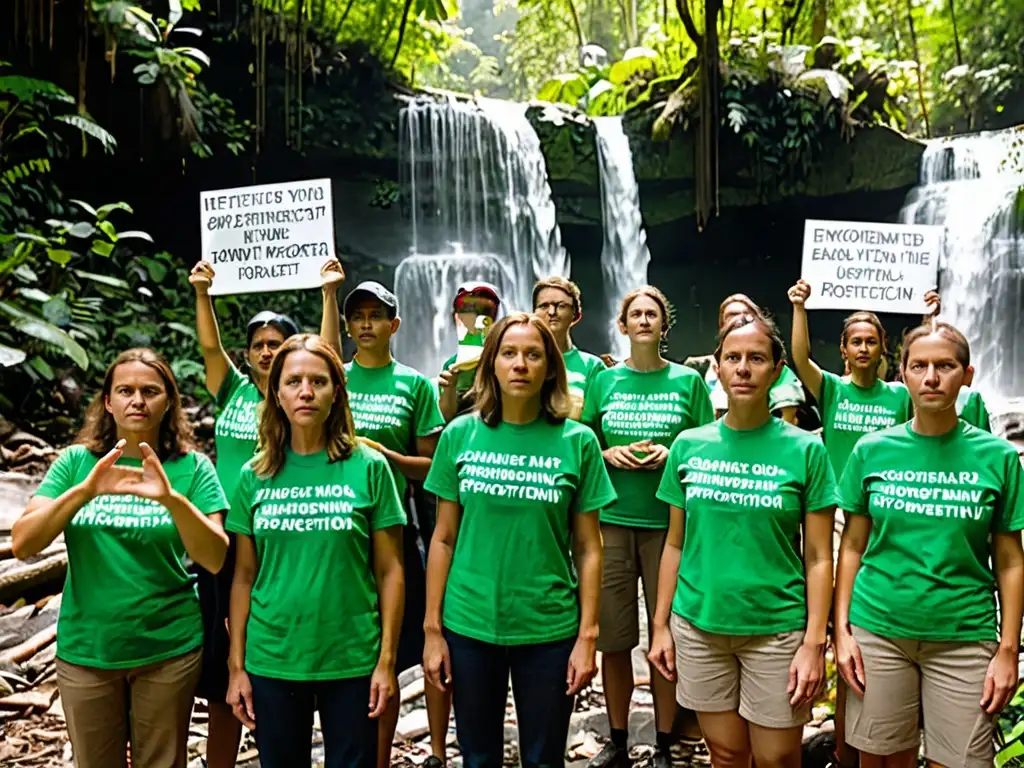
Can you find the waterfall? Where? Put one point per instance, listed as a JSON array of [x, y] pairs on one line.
[[624, 256], [481, 209], [969, 185]]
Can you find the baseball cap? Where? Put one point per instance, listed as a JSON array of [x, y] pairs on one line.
[[474, 288], [373, 290], [282, 323]]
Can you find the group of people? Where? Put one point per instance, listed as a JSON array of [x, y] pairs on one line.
[[362, 518]]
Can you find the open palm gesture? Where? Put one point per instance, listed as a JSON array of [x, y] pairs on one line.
[[148, 482]]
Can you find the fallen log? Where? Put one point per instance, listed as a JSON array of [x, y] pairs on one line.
[[15, 633], [29, 700], [30, 647], [18, 576]]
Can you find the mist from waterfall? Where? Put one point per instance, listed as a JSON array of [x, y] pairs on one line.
[[480, 203], [624, 255], [968, 185]]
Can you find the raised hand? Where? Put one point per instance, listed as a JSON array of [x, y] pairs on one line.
[[332, 275], [201, 277], [799, 293]]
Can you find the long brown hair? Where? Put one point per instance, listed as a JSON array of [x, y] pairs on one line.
[[554, 394], [276, 430], [883, 339], [656, 296], [99, 430]]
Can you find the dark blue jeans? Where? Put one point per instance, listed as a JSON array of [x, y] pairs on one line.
[[480, 673], [284, 722]]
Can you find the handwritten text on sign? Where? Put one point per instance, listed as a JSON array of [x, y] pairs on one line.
[[273, 237], [869, 266]]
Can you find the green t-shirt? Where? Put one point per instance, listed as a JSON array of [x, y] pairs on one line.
[[785, 392], [314, 612], [236, 430], [971, 407], [393, 405], [745, 495], [129, 599], [512, 579], [933, 503], [848, 412], [581, 368], [625, 406]]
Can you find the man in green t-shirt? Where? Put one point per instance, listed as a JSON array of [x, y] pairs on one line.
[[558, 302], [395, 411]]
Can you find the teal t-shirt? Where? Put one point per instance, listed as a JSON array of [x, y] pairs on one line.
[[745, 495], [236, 430], [848, 412], [934, 502], [625, 406], [581, 368], [512, 578], [313, 613], [129, 599], [393, 405]]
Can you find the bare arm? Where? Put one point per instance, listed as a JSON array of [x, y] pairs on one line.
[[202, 535], [1008, 559], [215, 358], [246, 566], [856, 533], [588, 554], [332, 276], [448, 396], [44, 519], [389, 572], [800, 345], [668, 571], [439, 562], [818, 530]]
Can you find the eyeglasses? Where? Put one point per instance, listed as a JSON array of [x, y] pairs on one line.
[[560, 307]]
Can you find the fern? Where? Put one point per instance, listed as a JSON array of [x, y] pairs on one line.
[[29, 88], [90, 128]]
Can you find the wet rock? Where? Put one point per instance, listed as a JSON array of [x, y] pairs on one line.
[[413, 725]]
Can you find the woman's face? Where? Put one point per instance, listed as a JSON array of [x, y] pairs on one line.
[[932, 374], [863, 350], [305, 391], [733, 310], [554, 306], [138, 398], [265, 343], [746, 368], [644, 321], [522, 362]]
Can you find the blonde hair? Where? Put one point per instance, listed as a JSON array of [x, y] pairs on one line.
[[555, 402], [275, 430]]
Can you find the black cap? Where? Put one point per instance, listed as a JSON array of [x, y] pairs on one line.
[[373, 290], [282, 323]]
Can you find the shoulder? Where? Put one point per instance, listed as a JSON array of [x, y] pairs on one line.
[[991, 445], [370, 457], [808, 441], [591, 361], [197, 460], [76, 453], [705, 434], [684, 373], [574, 430], [403, 371], [897, 435]]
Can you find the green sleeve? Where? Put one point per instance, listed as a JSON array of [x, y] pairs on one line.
[[206, 492], [827, 395], [1011, 512], [852, 496], [427, 418], [908, 405], [62, 473], [232, 381], [595, 491], [984, 420], [820, 490], [442, 479], [670, 490], [597, 366], [591, 415], [387, 509], [976, 413], [703, 412], [240, 515], [448, 363]]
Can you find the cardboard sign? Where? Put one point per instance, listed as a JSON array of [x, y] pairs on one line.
[[874, 267], [272, 237]]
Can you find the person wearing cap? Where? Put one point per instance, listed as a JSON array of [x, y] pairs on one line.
[[396, 412], [558, 302], [474, 309], [238, 396]]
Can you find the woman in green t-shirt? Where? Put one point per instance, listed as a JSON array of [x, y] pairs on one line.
[[742, 607], [133, 498], [934, 513], [514, 571], [238, 396], [314, 617], [636, 409]]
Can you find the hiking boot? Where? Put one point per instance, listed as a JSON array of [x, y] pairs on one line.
[[662, 759], [610, 757], [434, 762]]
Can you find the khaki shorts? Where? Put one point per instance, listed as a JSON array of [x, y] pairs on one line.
[[908, 679], [630, 554], [744, 673]]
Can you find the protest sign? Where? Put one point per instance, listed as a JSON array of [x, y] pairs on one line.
[[870, 266], [272, 237]]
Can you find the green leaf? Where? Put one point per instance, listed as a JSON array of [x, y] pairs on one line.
[[10, 356], [105, 210], [60, 256], [108, 229], [634, 61], [29, 89], [33, 237], [102, 248], [90, 128], [42, 368], [84, 206], [135, 234], [34, 294], [183, 329], [194, 53], [113, 282], [157, 270], [38, 328], [57, 311], [82, 229]]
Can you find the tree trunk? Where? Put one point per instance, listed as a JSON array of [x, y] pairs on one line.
[[683, 7], [577, 24], [707, 140], [920, 69], [820, 23], [401, 33]]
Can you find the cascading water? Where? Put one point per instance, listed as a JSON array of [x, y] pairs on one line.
[[624, 256], [969, 185], [481, 209]]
